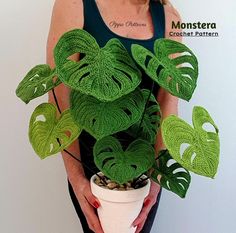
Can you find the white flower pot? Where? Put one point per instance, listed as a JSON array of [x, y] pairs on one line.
[[119, 208]]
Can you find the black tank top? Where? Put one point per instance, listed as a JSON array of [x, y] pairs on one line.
[[95, 25]]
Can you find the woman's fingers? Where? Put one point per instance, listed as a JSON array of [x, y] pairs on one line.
[[88, 203], [141, 217], [93, 221], [92, 199], [140, 227], [91, 216], [149, 201], [140, 220]]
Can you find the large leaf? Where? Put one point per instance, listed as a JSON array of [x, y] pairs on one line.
[[106, 73], [45, 130], [119, 165], [101, 119], [197, 149], [37, 82], [151, 120], [173, 176], [177, 75]]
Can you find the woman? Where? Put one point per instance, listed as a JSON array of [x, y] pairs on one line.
[[131, 21]]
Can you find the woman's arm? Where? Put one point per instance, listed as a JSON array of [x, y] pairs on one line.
[[67, 15], [169, 105]]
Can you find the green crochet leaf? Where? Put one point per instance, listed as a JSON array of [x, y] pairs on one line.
[[170, 174], [37, 82], [178, 75], [101, 119], [106, 73], [45, 129], [122, 166], [197, 149], [151, 120]]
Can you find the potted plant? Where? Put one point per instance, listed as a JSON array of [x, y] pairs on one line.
[[105, 100]]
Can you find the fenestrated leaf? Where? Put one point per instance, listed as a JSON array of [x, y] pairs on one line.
[[177, 75], [173, 176], [45, 130], [106, 73], [119, 165], [151, 120], [37, 82], [100, 118], [197, 149]]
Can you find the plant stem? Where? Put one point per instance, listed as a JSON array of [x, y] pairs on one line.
[[145, 179], [146, 104], [139, 128], [74, 157], [56, 101], [158, 157], [137, 179], [136, 184], [102, 178]]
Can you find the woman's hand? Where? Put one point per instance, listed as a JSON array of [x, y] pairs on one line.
[[88, 203], [149, 201]]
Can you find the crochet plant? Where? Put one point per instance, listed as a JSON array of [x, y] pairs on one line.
[[106, 99]]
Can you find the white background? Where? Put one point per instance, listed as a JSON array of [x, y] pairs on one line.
[[33, 193]]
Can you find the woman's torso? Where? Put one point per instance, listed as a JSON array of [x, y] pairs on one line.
[[102, 31]]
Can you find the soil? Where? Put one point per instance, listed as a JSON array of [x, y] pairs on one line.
[[109, 184]]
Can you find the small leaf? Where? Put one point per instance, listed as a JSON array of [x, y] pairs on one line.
[[101, 119], [106, 73], [122, 166], [45, 130], [176, 75], [151, 120], [196, 149], [37, 82], [171, 177]]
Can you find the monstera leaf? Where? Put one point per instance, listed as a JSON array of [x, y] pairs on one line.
[[150, 122], [172, 177], [106, 73], [45, 130], [122, 166], [101, 119], [177, 75], [196, 149], [37, 82]]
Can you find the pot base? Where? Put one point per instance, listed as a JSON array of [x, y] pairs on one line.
[[119, 209]]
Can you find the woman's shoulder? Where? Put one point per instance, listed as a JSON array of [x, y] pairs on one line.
[[171, 11], [66, 15], [171, 15], [68, 12]]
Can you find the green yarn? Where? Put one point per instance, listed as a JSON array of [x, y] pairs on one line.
[[37, 82], [203, 147], [172, 177], [45, 129], [119, 165], [151, 120], [106, 99], [106, 73], [166, 71], [101, 119]]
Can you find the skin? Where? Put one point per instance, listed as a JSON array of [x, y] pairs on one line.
[[67, 15]]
